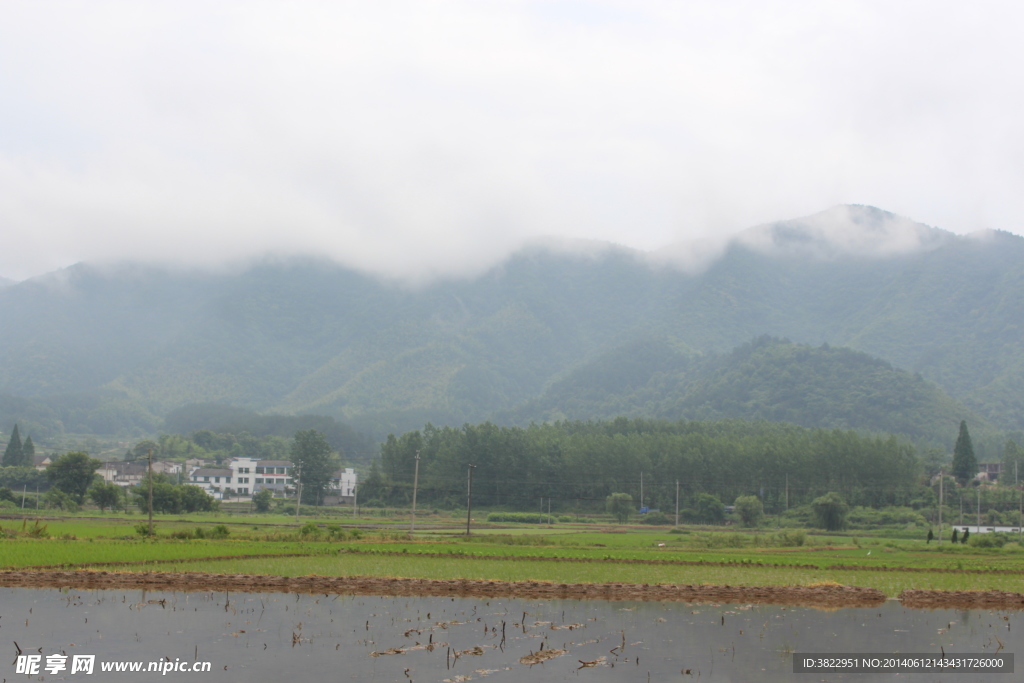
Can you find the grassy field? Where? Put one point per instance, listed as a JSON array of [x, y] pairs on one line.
[[276, 545]]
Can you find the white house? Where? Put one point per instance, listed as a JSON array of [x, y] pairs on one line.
[[243, 477], [343, 484], [242, 471], [275, 475], [214, 481]]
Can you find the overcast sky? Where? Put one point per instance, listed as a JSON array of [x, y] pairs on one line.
[[419, 137]]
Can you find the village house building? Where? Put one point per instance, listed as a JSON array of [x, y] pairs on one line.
[[215, 481], [123, 473], [245, 477], [275, 475], [343, 485], [989, 471]]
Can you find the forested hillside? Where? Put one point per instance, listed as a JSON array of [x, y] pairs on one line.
[[766, 379], [116, 349]]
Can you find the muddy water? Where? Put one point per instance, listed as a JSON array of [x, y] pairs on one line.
[[281, 637]]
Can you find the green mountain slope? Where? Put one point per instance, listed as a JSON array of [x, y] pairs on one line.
[[305, 336], [767, 379]]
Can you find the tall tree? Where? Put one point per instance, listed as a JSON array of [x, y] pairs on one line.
[[375, 488], [28, 452], [13, 452], [619, 505], [105, 495], [312, 455], [73, 473], [965, 464], [1013, 455]]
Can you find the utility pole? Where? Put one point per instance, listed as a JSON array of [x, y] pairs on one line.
[[297, 474], [149, 456], [979, 507], [1020, 511], [787, 490], [37, 497], [940, 505], [677, 503], [415, 485], [24, 492], [549, 510], [641, 489], [469, 499], [355, 502]]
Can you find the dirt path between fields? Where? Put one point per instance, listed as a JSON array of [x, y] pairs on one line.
[[831, 595], [817, 596], [931, 599]]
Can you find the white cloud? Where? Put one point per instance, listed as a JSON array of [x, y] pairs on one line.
[[414, 138]]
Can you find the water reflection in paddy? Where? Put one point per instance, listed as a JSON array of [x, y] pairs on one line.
[[275, 636]]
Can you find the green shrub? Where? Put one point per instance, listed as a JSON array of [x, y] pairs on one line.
[[750, 510], [55, 499], [689, 516], [990, 540], [791, 538], [507, 539], [519, 517], [709, 508], [830, 511], [262, 500], [576, 520], [655, 518], [717, 540]]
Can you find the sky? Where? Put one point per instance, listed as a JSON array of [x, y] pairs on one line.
[[416, 139]]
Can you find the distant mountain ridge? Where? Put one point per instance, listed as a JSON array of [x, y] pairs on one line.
[[308, 336]]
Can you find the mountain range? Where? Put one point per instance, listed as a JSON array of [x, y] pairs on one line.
[[847, 309]]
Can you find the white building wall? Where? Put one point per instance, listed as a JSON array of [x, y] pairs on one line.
[[348, 482], [243, 471]]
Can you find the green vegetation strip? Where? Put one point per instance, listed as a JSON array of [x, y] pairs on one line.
[[559, 558], [129, 563], [28, 553], [695, 563]]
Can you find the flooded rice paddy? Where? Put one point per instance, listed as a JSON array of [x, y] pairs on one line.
[[272, 637]]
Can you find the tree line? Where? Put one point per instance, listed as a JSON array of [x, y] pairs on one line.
[[579, 464]]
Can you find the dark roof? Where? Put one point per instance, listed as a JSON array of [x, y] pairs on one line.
[[124, 468], [211, 472]]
